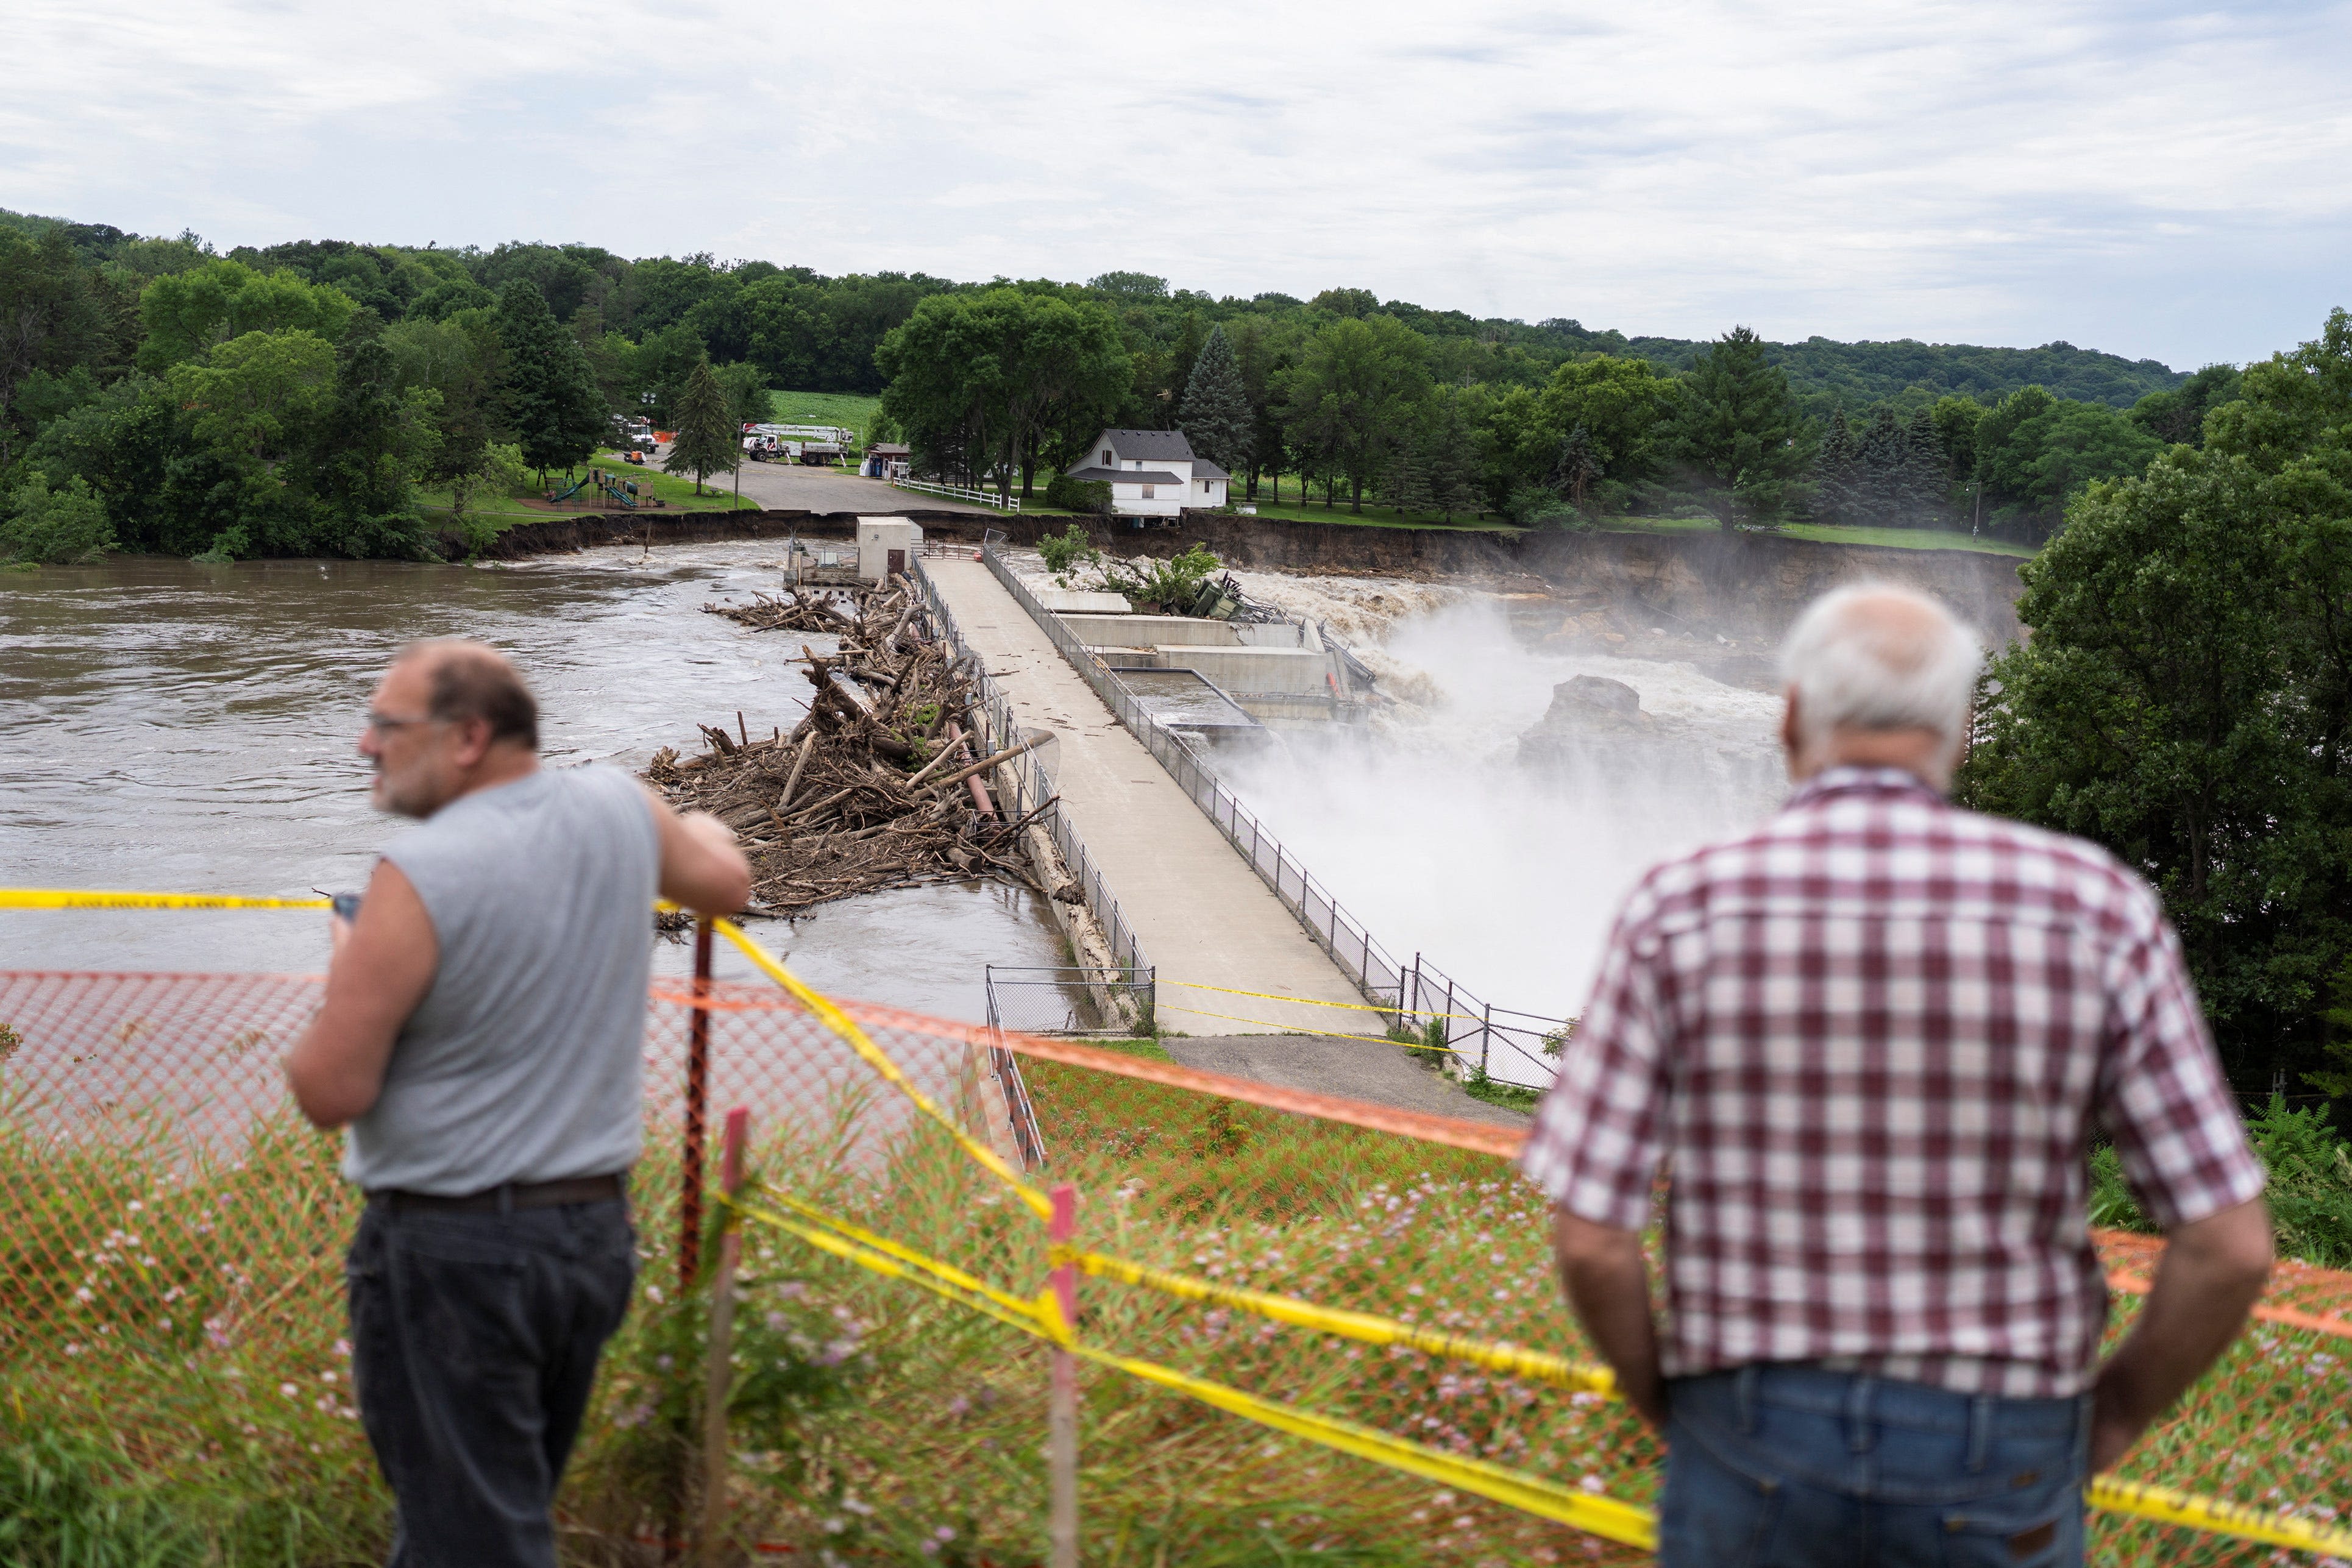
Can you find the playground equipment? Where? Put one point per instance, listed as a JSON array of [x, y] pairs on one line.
[[569, 490], [624, 491]]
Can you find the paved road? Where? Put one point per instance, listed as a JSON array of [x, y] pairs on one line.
[[1359, 1069], [1199, 911], [833, 490]]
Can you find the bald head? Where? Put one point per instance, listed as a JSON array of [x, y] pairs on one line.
[[468, 680], [1878, 674]]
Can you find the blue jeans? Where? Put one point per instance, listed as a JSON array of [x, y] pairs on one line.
[[475, 1339], [1798, 1466]]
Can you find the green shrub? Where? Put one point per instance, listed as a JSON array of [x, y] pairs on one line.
[[1067, 548], [2310, 1189], [1069, 495], [52, 526], [1541, 506], [1173, 583]]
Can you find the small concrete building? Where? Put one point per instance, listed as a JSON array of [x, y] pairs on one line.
[[1152, 473], [886, 545]]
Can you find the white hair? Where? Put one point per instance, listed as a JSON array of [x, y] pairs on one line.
[[1874, 656]]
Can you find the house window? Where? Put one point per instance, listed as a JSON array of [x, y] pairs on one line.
[[1146, 491], [1205, 485], [1108, 461]]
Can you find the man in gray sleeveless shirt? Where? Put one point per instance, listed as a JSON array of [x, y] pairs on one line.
[[479, 1038]]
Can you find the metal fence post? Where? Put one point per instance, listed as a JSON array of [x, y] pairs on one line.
[[1485, 1033], [1062, 1436], [718, 1374], [697, 1093]]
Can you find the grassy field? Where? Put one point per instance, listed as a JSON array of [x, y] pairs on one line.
[[174, 1390], [853, 410], [676, 492], [1826, 533]]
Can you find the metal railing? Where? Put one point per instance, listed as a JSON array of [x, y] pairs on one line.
[[1032, 787], [1508, 1045], [961, 493], [1069, 999]]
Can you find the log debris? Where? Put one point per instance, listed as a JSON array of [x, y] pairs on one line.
[[863, 794]]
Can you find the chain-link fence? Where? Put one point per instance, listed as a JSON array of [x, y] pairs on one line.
[[1509, 1041]]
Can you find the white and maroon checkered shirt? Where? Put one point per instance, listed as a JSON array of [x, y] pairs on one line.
[[1874, 1038]]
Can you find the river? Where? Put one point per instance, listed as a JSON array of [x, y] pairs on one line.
[[174, 727]]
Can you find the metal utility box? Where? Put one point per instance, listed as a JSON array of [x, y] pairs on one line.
[[885, 545]]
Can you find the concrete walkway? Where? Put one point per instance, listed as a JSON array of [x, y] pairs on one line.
[[1359, 1069], [1199, 911]]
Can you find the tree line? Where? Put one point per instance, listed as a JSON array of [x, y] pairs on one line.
[[130, 390]]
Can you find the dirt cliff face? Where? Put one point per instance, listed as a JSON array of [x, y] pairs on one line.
[[1748, 587], [1745, 587]]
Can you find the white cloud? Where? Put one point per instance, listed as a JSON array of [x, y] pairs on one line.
[[2161, 181]]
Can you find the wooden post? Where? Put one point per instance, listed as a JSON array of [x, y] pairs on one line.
[[1062, 1430], [718, 1366], [697, 1100]]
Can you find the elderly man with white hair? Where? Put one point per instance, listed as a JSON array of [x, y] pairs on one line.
[[1869, 1045]]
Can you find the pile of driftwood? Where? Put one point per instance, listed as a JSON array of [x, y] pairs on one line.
[[829, 612], [880, 786]]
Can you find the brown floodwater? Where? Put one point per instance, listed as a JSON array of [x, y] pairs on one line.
[[171, 727]]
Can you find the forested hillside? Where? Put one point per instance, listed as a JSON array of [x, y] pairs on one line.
[[155, 394]]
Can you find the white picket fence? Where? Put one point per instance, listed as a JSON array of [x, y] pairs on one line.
[[1008, 503]]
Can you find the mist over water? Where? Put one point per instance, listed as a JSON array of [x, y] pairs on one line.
[[1428, 828]]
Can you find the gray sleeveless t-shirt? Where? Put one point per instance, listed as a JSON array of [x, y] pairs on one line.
[[522, 1064]]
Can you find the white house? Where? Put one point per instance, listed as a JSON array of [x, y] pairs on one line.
[[1152, 473]]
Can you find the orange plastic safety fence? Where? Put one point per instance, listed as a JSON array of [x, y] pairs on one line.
[[166, 1204]]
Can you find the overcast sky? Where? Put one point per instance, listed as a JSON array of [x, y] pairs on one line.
[[2154, 179]]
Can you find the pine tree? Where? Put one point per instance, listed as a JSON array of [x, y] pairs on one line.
[[1451, 459], [1836, 474], [1741, 435], [1881, 455], [707, 440], [1927, 474], [1405, 483], [547, 393], [1216, 417]]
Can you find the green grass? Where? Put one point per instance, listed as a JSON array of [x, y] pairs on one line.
[[679, 492], [853, 410], [1829, 533], [1372, 517], [193, 1411]]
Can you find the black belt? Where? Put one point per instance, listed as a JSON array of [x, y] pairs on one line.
[[513, 1195]]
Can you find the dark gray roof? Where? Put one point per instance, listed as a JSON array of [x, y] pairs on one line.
[[1165, 444], [1204, 469], [1128, 475]]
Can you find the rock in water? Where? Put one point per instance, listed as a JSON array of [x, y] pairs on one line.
[[1597, 730]]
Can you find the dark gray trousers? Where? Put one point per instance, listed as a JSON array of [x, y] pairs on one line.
[[474, 1345]]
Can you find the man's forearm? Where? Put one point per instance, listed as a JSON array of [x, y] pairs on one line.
[[2211, 1273], [1607, 1284]]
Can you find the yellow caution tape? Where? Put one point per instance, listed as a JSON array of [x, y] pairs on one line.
[[842, 1025], [1599, 1515], [1537, 1366], [1300, 1029], [2216, 1517], [1311, 1002], [72, 898]]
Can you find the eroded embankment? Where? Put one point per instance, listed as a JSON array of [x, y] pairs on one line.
[[1744, 586]]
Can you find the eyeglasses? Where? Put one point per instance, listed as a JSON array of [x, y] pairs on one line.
[[380, 724]]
